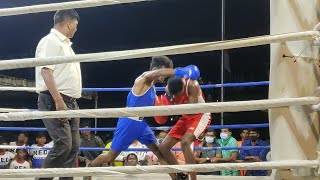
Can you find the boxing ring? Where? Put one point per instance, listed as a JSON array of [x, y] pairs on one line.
[[294, 126]]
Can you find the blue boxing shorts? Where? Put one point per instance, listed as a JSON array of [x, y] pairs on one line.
[[129, 130]]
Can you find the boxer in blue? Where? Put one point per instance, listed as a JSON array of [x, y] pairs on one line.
[[143, 94]]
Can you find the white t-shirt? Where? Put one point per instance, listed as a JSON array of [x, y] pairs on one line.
[[141, 154], [14, 144], [68, 75], [38, 155], [50, 144], [38, 152], [5, 159], [15, 165]]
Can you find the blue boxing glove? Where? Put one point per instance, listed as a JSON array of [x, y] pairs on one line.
[[191, 72]]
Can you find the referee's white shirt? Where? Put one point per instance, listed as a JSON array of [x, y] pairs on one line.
[[67, 76]]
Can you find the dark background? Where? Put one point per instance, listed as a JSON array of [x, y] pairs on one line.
[[144, 25]]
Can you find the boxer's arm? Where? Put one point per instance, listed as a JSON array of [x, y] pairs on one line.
[[155, 74], [143, 82], [193, 91]]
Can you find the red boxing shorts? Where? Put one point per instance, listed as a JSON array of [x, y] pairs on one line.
[[194, 124]]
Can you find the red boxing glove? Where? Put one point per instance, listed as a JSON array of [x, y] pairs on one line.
[[162, 100]]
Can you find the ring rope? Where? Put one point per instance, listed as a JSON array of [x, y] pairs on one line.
[[99, 171], [208, 86], [164, 128], [141, 149], [149, 111], [4, 110], [168, 50], [61, 6]]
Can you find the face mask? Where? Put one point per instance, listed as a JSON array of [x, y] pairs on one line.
[[253, 138], [209, 139], [201, 139], [224, 135]]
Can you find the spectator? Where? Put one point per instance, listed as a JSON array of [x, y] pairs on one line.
[[227, 155], [132, 160], [199, 141], [244, 136], [21, 161], [142, 155], [5, 156], [209, 98], [143, 158], [162, 134], [206, 155], [179, 154], [89, 140], [254, 155], [39, 154], [22, 140], [153, 158]]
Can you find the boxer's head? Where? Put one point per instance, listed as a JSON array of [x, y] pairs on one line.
[[159, 62], [175, 87]]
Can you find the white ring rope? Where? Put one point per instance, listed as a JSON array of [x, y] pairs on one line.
[[150, 111], [168, 50], [4, 110], [61, 6], [13, 88], [99, 171]]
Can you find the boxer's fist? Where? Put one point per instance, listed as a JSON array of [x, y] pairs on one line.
[[191, 72]]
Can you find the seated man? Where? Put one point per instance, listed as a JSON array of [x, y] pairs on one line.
[[189, 126], [205, 156], [254, 155], [227, 155], [89, 140]]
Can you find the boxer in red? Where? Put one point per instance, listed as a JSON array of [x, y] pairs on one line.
[[189, 126]]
